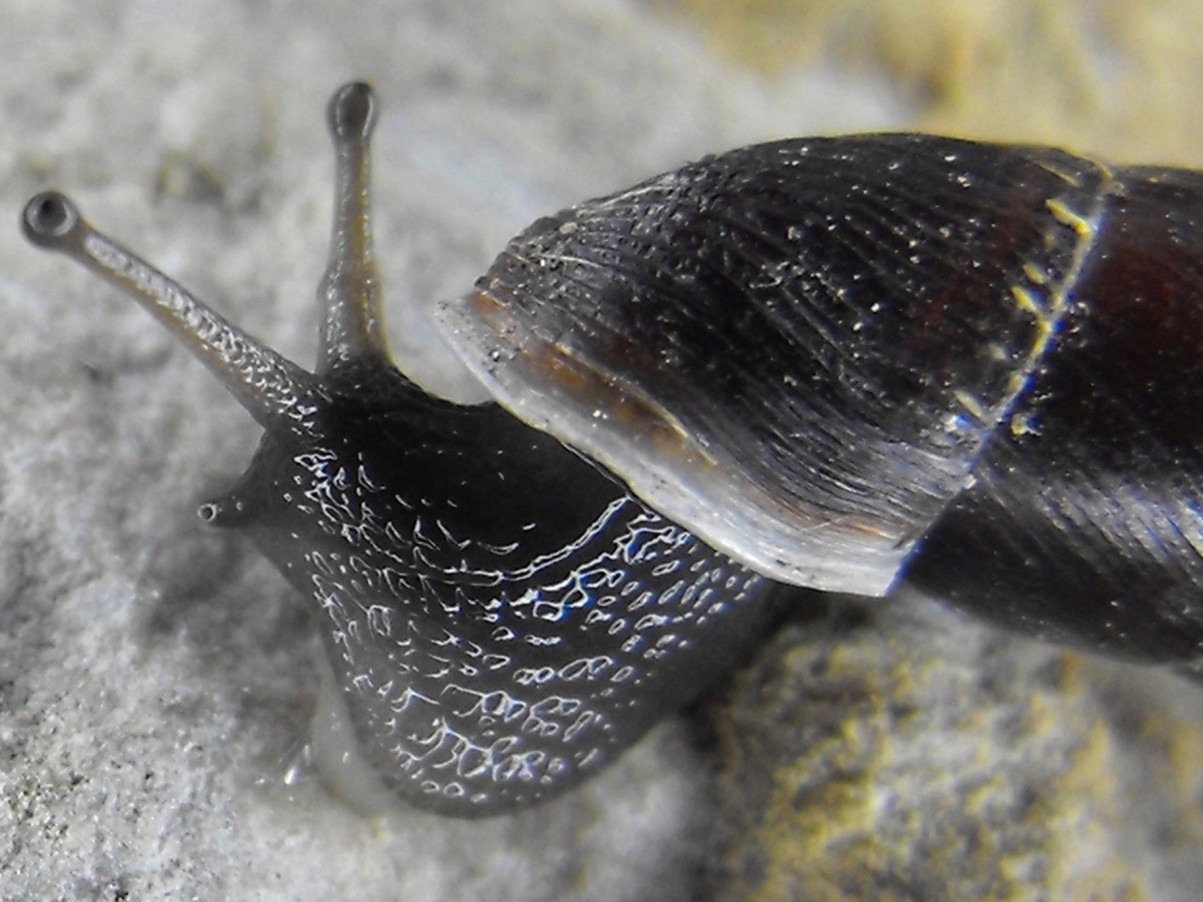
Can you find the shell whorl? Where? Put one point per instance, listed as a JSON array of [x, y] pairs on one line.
[[861, 361], [813, 349]]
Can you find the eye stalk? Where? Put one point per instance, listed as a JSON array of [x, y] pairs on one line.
[[273, 389], [350, 291]]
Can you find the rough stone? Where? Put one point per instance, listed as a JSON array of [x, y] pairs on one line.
[[901, 751]]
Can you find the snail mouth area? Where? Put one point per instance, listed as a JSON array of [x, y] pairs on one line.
[[681, 469]]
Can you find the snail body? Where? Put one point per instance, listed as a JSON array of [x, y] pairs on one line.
[[827, 362], [502, 617]]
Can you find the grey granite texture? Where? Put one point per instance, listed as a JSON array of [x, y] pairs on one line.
[[156, 676]]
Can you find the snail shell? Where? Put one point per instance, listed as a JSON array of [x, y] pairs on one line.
[[859, 361], [843, 363]]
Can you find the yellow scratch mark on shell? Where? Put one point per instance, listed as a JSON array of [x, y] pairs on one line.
[[972, 405], [1028, 302], [1049, 315], [1084, 227], [1021, 426], [1035, 274], [1044, 297]]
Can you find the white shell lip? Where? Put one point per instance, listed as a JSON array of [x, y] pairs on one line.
[[552, 386]]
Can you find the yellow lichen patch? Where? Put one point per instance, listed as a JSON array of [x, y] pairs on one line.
[[1086, 814], [1185, 751], [949, 53], [1174, 741], [821, 826], [1114, 77], [899, 768]]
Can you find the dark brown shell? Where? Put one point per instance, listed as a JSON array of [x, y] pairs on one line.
[[798, 348], [843, 361]]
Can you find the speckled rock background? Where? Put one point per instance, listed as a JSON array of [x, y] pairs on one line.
[[156, 677]]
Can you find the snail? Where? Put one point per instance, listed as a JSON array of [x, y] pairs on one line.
[[843, 363]]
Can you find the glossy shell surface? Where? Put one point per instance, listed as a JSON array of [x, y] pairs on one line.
[[855, 362]]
